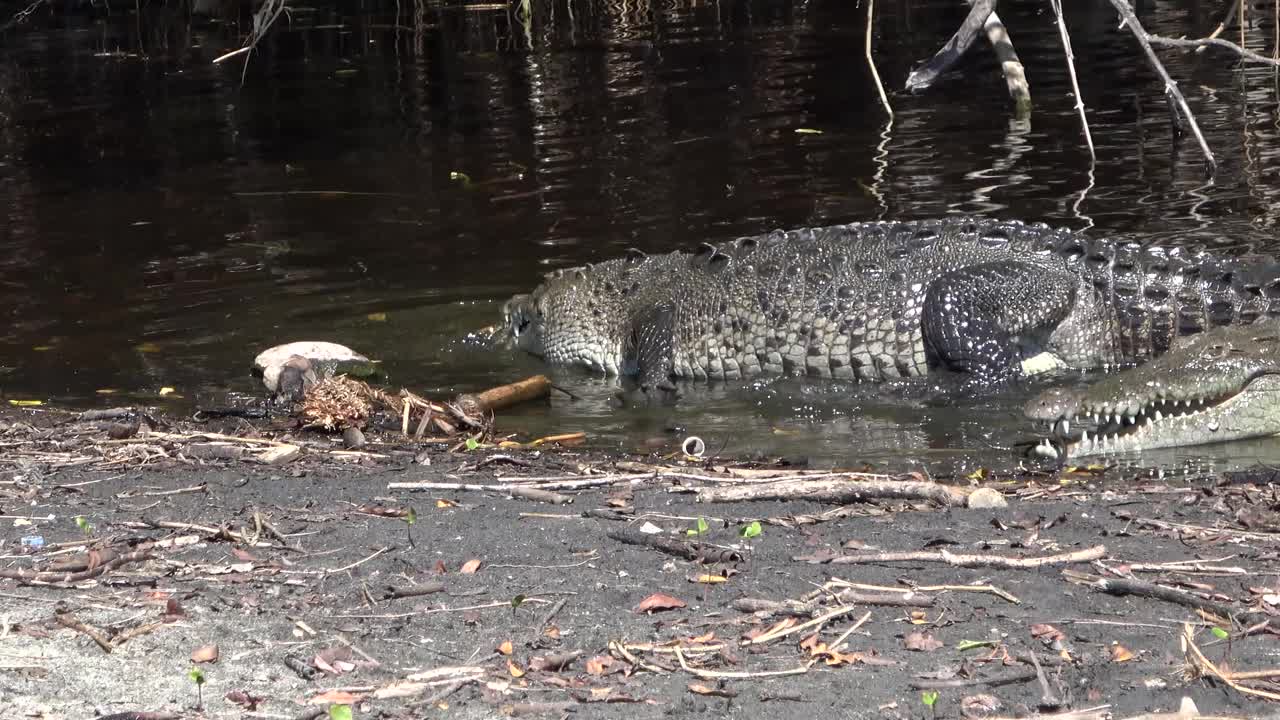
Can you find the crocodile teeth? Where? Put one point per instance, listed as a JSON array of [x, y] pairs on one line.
[[1084, 438], [1159, 416], [1129, 419], [1066, 427]]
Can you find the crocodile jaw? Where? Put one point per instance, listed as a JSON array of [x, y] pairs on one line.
[[1252, 411]]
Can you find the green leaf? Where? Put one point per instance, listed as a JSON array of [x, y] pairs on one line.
[[472, 443], [929, 697], [751, 530], [517, 601], [196, 675], [83, 524], [340, 712], [971, 644], [701, 528], [412, 517], [1220, 633]]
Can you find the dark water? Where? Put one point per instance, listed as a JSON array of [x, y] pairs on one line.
[[385, 179]]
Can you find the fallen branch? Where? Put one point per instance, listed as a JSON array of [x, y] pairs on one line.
[[1138, 588], [972, 561], [841, 490], [833, 583], [68, 619], [505, 396], [696, 552], [722, 674]]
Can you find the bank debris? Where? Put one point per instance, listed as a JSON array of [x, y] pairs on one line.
[[136, 579]]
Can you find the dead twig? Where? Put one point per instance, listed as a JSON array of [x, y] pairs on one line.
[[871, 63], [1205, 666], [1071, 71]]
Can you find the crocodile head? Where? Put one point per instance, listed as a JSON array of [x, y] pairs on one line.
[[568, 319], [1219, 385]]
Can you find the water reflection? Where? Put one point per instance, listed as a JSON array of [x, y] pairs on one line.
[[383, 178]]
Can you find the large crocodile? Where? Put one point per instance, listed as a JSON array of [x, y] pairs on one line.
[[885, 299], [1219, 385]]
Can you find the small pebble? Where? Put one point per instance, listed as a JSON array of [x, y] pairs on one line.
[[986, 499], [352, 438]]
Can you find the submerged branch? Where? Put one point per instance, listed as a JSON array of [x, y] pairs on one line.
[[954, 48], [1177, 102]]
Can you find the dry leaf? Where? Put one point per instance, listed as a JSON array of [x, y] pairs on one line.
[[979, 705], [205, 654], [921, 642], [919, 617], [439, 568], [658, 602], [442, 504], [1120, 653], [599, 665], [469, 567], [514, 669], [702, 689], [1047, 633], [552, 632], [505, 648]]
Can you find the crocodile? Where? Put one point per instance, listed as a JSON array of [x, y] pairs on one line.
[[1216, 386], [881, 300]]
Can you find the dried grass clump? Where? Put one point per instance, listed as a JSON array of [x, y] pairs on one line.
[[337, 403]]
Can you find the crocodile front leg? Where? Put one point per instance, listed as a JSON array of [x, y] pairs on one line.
[[994, 319], [650, 351]]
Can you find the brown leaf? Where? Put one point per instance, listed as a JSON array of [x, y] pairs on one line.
[[599, 665], [439, 568], [921, 642], [205, 654], [1047, 633], [470, 567], [443, 503], [658, 602], [515, 670], [243, 699], [243, 555], [702, 689], [552, 632], [505, 648], [979, 705]]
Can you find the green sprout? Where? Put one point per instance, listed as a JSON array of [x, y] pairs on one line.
[[700, 529], [410, 518], [1220, 633], [339, 712], [516, 602], [751, 530], [930, 698], [971, 644], [83, 524], [472, 443], [197, 677]]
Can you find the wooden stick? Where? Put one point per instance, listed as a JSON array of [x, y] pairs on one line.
[[837, 490], [504, 396], [971, 561], [871, 63], [1071, 70]]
